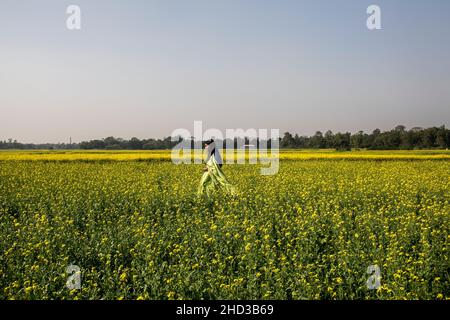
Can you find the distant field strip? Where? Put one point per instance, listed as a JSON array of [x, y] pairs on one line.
[[165, 155]]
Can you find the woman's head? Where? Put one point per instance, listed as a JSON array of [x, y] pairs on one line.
[[208, 142]]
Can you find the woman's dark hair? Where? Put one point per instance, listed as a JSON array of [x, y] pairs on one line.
[[213, 152]]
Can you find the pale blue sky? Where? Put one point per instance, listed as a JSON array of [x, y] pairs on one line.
[[146, 68]]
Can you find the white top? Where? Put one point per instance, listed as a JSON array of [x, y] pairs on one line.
[[212, 148]]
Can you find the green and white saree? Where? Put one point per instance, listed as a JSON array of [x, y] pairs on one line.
[[213, 179]]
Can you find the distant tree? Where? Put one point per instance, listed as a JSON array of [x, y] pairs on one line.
[[287, 141], [328, 139], [442, 137], [357, 140], [109, 141], [317, 140], [407, 140], [392, 139], [342, 141], [428, 138], [93, 144], [301, 141], [135, 144]]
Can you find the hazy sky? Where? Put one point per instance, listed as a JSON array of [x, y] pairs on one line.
[[145, 68]]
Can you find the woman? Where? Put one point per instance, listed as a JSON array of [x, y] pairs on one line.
[[213, 178]]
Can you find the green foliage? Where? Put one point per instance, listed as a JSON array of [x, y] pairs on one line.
[[137, 230]]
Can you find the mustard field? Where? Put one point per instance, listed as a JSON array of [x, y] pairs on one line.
[[165, 155], [136, 228]]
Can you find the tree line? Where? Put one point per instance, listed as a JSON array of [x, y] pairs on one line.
[[397, 138]]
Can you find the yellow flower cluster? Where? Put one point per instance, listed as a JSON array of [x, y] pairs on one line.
[[245, 155], [137, 229]]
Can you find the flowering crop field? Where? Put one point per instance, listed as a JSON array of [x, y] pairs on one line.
[[137, 229]]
